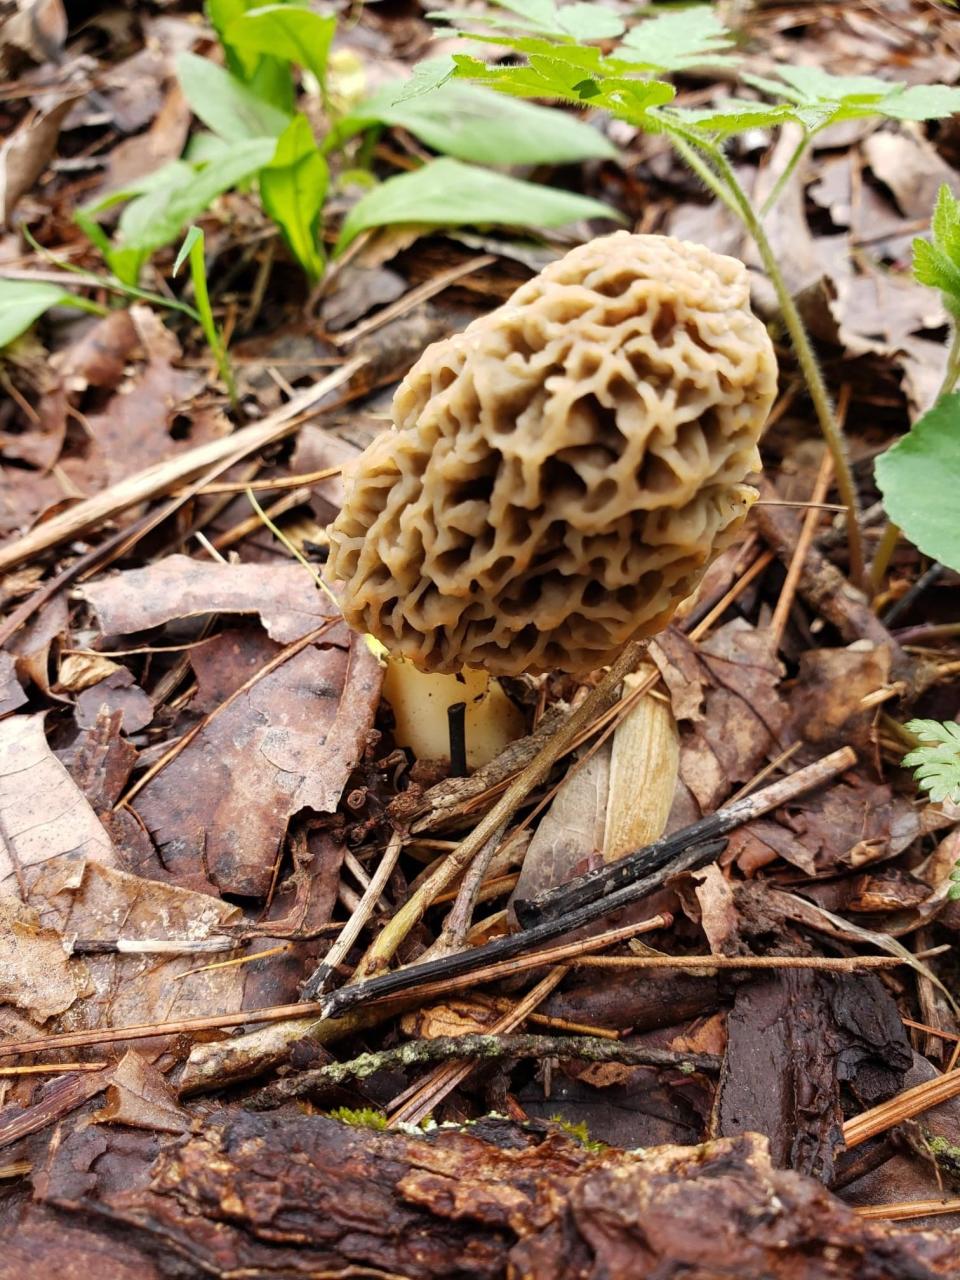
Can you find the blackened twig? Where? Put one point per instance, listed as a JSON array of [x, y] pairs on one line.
[[477, 1046], [608, 879]]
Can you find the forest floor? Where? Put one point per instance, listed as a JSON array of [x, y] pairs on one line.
[[208, 827]]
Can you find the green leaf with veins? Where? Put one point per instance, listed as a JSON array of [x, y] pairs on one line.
[[676, 41], [225, 104], [450, 194], [471, 123], [293, 187], [919, 478], [285, 31]]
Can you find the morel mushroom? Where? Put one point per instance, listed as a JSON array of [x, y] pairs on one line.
[[563, 471]]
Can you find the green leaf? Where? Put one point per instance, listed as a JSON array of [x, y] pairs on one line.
[[936, 763], [268, 77], [225, 104], [922, 102], [578, 21], [157, 217], [293, 187], [24, 301], [448, 193], [674, 41], [735, 116], [934, 269], [919, 478], [474, 124], [285, 31], [193, 236]]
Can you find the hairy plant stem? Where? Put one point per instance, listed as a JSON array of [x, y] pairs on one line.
[[799, 152], [710, 164], [891, 533]]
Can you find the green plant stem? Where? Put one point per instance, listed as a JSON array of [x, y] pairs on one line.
[[799, 152], [198, 273], [891, 533], [719, 177]]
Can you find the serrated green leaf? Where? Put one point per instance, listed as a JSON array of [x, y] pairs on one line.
[[293, 187], [813, 84], [285, 31], [577, 21], [936, 762], [675, 41], [448, 193], [946, 732], [474, 124], [919, 478], [225, 104], [24, 301], [935, 269], [922, 102], [736, 116]]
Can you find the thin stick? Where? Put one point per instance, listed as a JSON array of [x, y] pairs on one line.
[[725, 601], [278, 482], [164, 476], [781, 613], [53, 1068], [830, 964], [556, 746], [899, 1210], [912, 1102], [296, 1012], [510, 968], [457, 924], [446, 1079], [596, 884], [479, 1047], [931, 1031], [421, 293], [326, 970]]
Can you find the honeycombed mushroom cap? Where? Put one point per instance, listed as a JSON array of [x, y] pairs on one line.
[[562, 472]]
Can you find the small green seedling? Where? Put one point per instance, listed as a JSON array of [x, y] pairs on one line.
[[192, 250]]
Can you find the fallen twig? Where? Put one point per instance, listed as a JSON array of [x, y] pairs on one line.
[[912, 1102], [477, 1047], [609, 879]]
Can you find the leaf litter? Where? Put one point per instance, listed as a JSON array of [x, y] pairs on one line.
[[198, 775]]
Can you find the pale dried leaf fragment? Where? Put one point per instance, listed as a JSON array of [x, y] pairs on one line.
[[26, 153], [36, 974], [284, 596], [644, 767], [44, 816], [141, 1097]]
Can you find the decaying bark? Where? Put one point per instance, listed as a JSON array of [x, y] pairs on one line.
[[290, 1195]]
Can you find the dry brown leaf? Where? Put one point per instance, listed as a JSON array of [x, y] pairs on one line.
[[27, 151], [11, 692], [222, 806], [79, 671], [284, 596], [44, 816], [141, 1097], [36, 974]]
